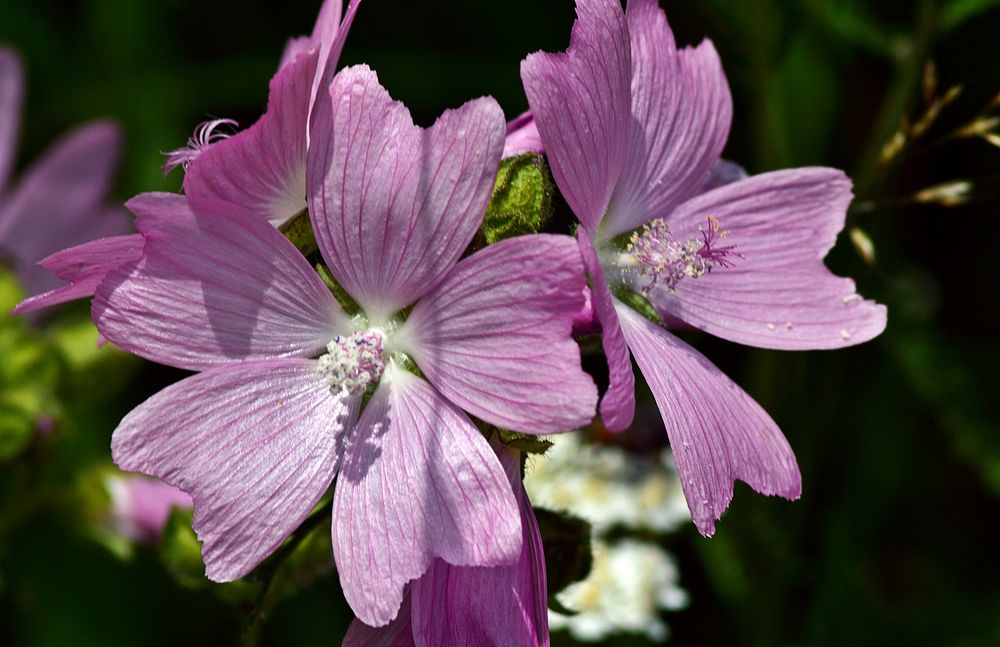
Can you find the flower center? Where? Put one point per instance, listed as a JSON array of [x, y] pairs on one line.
[[353, 362], [655, 259]]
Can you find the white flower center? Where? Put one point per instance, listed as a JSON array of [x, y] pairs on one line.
[[355, 361]]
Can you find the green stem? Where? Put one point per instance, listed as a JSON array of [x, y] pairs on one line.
[[909, 68], [267, 571]]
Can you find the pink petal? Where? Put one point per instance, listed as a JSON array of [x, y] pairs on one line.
[[393, 205], [213, 287], [263, 168], [522, 136], [780, 294], [618, 404], [580, 100], [682, 110], [418, 482], [140, 506], [330, 34], [59, 201], [717, 432], [84, 267], [507, 605], [255, 445], [398, 633], [495, 336], [11, 102]]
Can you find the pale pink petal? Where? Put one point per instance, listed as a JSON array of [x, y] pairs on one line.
[[618, 404], [418, 482], [522, 136], [718, 434], [495, 336], [294, 47], [11, 102], [502, 605], [681, 110], [83, 267], [255, 445], [580, 100], [398, 633], [394, 205], [778, 294], [263, 168], [140, 506], [212, 288]]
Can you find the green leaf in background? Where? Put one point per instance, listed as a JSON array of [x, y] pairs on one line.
[[522, 199], [956, 12]]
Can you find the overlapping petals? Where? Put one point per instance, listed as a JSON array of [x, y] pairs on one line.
[[210, 289], [494, 336], [393, 205], [263, 168], [419, 481], [591, 82], [455, 605]]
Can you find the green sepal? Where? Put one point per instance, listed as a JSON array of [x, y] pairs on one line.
[[298, 229], [346, 301], [523, 442], [640, 304], [521, 202], [568, 557]]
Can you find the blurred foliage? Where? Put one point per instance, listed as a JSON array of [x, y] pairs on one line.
[[894, 540]]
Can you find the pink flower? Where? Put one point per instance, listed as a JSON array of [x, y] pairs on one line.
[[263, 168], [257, 436], [462, 605], [140, 506], [633, 128], [60, 199]]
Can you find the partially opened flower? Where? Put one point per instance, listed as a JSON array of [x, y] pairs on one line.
[[257, 437], [60, 200], [522, 136], [633, 127], [474, 605], [263, 168]]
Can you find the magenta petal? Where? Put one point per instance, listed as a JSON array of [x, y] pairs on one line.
[[580, 100], [394, 205], [522, 136], [398, 633], [454, 605], [213, 288], [495, 336], [717, 432], [779, 294], [84, 267], [618, 404], [330, 34], [263, 168], [254, 444], [418, 482], [682, 111], [11, 101]]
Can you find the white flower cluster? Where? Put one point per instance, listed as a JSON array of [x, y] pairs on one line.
[[631, 581]]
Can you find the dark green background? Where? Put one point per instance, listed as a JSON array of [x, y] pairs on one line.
[[896, 538]]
